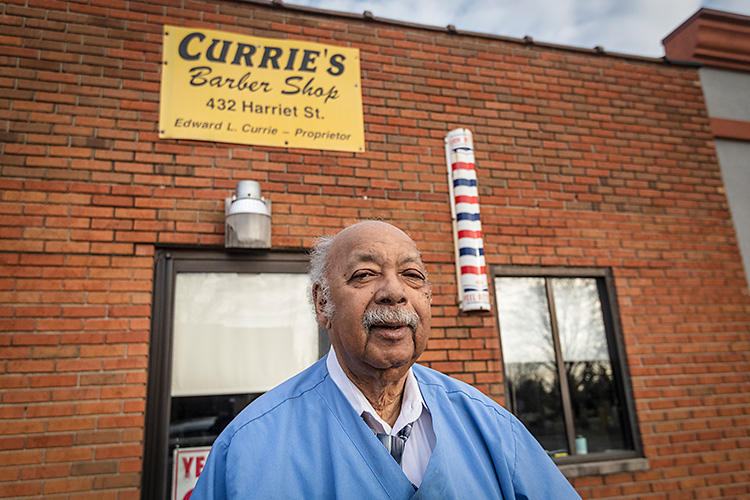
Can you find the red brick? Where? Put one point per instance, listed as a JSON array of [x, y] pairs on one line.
[[50, 441], [22, 489], [45, 472], [67, 485], [26, 396], [72, 424], [76, 454]]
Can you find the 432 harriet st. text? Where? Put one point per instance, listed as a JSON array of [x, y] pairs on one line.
[[220, 104]]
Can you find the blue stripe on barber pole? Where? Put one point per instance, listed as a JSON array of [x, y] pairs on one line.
[[462, 171], [471, 251], [464, 182], [461, 216]]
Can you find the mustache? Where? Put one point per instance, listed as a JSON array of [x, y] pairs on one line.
[[384, 315]]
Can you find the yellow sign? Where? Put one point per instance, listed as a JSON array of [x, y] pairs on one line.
[[225, 87]]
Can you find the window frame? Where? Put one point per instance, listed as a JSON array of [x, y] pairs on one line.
[[615, 343], [167, 264]]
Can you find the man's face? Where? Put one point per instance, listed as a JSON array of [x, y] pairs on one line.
[[376, 272]]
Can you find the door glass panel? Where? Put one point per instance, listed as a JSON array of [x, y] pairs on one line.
[[529, 358], [235, 336], [240, 333], [583, 340]]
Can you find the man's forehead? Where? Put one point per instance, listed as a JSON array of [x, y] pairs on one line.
[[376, 242], [382, 258]]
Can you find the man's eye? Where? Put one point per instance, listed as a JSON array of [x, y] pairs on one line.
[[414, 275], [362, 274]]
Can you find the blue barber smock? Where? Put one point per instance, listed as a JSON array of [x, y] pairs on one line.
[[303, 440]]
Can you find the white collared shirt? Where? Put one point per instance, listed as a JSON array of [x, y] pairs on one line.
[[421, 442]]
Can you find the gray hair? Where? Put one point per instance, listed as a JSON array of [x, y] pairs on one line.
[[318, 269]]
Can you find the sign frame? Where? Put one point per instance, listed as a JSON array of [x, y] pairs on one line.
[[228, 87], [181, 490]]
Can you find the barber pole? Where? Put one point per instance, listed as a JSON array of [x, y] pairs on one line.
[[471, 273]]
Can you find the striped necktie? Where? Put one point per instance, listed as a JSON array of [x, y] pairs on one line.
[[395, 444]]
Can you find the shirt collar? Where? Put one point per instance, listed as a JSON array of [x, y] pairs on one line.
[[412, 403]]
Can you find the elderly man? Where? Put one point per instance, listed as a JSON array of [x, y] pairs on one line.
[[365, 421]]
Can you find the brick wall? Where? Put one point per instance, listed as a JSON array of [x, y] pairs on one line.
[[584, 159]]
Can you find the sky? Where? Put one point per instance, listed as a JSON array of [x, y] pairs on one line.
[[634, 27]]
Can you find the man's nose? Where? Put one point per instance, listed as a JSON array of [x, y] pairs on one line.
[[391, 290]]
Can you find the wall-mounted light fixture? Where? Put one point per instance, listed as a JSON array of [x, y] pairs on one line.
[[248, 218]]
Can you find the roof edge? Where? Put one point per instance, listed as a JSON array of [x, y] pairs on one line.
[[707, 14]]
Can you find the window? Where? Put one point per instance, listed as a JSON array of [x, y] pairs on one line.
[[565, 372], [226, 328]]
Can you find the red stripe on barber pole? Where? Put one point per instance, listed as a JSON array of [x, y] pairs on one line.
[[473, 270], [467, 199], [462, 165], [469, 234]]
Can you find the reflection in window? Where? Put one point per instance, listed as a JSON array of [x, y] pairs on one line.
[[529, 356], [558, 359], [583, 340]]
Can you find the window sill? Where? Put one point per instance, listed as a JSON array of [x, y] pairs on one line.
[[605, 467]]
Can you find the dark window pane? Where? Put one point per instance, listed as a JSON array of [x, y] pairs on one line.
[[529, 357], [198, 420], [535, 398], [583, 339], [596, 411]]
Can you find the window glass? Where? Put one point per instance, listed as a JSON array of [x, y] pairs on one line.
[[583, 339], [558, 356], [529, 355], [240, 333]]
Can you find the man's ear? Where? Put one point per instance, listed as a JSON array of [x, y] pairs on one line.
[[320, 302]]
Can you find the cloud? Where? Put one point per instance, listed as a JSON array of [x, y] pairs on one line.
[[631, 27]]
